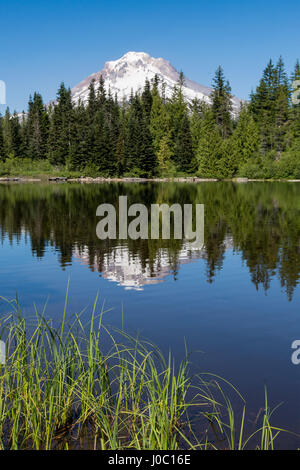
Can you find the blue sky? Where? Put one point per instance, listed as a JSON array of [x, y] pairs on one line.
[[44, 43]]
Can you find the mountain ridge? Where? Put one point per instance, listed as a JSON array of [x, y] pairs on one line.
[[127, 74]]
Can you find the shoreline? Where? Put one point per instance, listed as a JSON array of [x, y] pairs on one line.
[[88, 179]]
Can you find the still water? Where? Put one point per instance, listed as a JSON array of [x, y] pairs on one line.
[[236, 303]]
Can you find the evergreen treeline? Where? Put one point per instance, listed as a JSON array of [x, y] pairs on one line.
[[151, 135]]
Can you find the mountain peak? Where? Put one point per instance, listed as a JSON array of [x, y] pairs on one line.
[[133, 55], [130, 57], [127, 74]]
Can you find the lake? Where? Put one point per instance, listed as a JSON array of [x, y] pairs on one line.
[[235, 302]]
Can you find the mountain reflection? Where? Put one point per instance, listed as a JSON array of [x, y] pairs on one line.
[[259, 220]]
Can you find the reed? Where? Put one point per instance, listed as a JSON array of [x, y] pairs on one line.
[[60, 390]]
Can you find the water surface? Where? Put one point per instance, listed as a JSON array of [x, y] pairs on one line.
[[237, 300]]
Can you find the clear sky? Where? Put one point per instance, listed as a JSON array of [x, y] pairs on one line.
[[44, 43]]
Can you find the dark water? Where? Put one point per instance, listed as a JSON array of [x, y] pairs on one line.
[[237, 301]]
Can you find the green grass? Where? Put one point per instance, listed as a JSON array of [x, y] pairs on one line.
[[60, 390], [16, 167], [25, 167], [286, 168]]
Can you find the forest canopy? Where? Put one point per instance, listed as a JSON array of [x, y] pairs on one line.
[[151, 135]]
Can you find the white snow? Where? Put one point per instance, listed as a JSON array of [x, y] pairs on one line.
[[130, 72]]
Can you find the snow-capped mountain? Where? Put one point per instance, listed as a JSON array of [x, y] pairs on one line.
[[130, 72]]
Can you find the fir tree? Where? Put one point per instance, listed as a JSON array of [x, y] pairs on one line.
[[112, 119], [11, 135], [147, 101], [197, 110], [36, 128], [120, 155], [295, 111], [102, 145], [164, 157], [92, 102], [2, 151], [79, 151], [159, 120], [221, 103], [180, 129], [245, 139], [101, 93], [270, 107], [282, 98], [209, 148], [60, 127]]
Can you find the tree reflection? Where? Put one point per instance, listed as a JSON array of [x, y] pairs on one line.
[[259, 220]]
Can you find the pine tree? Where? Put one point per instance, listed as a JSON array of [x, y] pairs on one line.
[[140, 155], [245, 138], [147, 158], [209, 149], [226, 166], [180, 129], [164, 157], [133, 133], [221, 103], [147, 100], [102, 144], [159, 120], [7, 138], [112, 120], [295, 110], [79, 151], [36, 128], [282, 108], [92, 102], [59, 140], [11, 135], [270, 107], [197, 110], [183, 148], [120, 154], [2, 152], [101, 93]]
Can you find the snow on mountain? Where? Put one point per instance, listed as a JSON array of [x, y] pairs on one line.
[[130, 72]]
